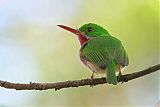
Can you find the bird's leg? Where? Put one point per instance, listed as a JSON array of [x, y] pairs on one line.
[[92, 77], [120, 73]]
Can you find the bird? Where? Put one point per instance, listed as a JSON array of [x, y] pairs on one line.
[[101, 52]]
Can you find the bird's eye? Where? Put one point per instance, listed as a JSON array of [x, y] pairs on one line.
[[89, 29]]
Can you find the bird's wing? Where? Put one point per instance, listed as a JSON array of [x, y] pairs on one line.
[[95, 51], [101, 50], [121, 56]]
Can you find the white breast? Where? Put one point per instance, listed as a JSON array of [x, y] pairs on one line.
[[95, 68], [98, 70]]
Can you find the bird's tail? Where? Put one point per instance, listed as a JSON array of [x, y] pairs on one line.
[[111, 74]]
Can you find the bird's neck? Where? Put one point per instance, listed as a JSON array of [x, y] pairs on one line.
[[82, 39]]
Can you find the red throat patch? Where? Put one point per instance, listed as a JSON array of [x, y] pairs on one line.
[[82, 39]]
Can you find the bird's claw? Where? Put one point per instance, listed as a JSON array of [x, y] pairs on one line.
[[92, 77], [120, 78]]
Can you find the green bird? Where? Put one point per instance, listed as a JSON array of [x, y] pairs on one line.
[[100, 52]]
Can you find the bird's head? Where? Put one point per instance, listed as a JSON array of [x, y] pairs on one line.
[[87, 31], [93, 30]]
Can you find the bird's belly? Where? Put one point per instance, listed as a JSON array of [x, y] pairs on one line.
[[95, 68], [98, 70]]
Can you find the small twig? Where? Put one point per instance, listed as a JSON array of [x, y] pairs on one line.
[[75, 83]]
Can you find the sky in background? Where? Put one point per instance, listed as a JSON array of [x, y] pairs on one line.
[[33, 48]]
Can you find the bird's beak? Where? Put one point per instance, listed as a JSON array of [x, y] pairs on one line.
[[74, 31]]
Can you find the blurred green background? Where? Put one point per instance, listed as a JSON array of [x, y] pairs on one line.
[[33, 48]]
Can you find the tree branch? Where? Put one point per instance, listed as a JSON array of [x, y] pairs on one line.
[[76, 83]]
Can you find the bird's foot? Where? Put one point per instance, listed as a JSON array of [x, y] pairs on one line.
[[120, 77], [92, 77]]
